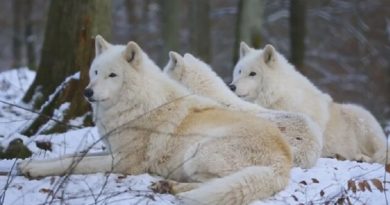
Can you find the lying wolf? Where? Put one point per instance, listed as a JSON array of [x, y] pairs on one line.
[[300, 131], [209, 155], [266, 78]]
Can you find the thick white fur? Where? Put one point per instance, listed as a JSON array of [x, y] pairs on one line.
[[350, 131], [304, 136], [153, 124]]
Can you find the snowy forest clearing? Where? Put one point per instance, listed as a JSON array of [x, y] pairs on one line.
[[330, 181]]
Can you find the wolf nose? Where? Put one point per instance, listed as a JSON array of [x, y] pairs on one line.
[[232, 87], [88, 93]]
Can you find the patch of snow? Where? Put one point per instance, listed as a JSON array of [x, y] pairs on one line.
[[14, 83], [58, 114], [75, 76], [79, 189], [329, 180], [79, 121]]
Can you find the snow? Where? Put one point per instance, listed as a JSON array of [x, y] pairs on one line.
[[330, 181], [14, 83], [75, 76]]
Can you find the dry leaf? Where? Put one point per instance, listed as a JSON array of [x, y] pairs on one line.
[[361, 186], [45, 190], [44, 145], [119, 178], [378, 184], [340, 200], [322, 193], [315, 180], [387, 168], [303, 182], [367, 185], [352, 186]]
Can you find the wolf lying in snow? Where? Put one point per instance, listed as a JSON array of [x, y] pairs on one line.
[[301, 132], [153, 124], [266, 78]]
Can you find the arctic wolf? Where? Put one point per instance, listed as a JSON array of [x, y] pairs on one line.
[[304, 136], [153, 124], [266, 78]]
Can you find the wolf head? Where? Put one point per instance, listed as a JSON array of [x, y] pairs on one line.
[[255, 70], [190, 72], [198, 77], [115, 72]]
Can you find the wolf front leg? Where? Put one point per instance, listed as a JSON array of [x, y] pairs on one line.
[[69, 165]]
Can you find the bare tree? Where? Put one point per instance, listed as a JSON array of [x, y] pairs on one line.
[[67, 49], [199, 23], [297, 33], [248, 24], [134, 18], [29, 37], [16, 36], [170, 25]]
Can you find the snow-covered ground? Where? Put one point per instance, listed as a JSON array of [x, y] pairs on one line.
[[329, 182]]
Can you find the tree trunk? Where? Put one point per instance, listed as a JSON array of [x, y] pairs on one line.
[[248, 24], [16, 36], [170, 26], [68, 48], [297, 33], [29, 36], [200, 29], [134, 18]]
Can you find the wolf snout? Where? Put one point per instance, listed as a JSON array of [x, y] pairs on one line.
[[88, 93], [232, 87]]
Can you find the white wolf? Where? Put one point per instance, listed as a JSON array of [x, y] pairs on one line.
[[153, 124], [304, 136], [266, 78]]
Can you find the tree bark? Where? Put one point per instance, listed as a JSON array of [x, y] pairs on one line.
[[297, 33], [248, 25], [170, 26], [134, 18], [199, 22], [16, 36], [68, 48], [29, 36]]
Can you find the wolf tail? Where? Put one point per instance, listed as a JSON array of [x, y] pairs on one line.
[[240, 188]]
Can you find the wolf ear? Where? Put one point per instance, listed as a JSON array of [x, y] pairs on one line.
[[269, 54], [244, 49], [175, 58], [190, 56], [133, 53], [101, 45]]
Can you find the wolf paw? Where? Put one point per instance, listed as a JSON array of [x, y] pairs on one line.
[[29, 169], [162, 187]]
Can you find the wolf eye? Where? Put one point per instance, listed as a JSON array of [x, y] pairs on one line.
[[112, 75], [95, 72], [252, 74]]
